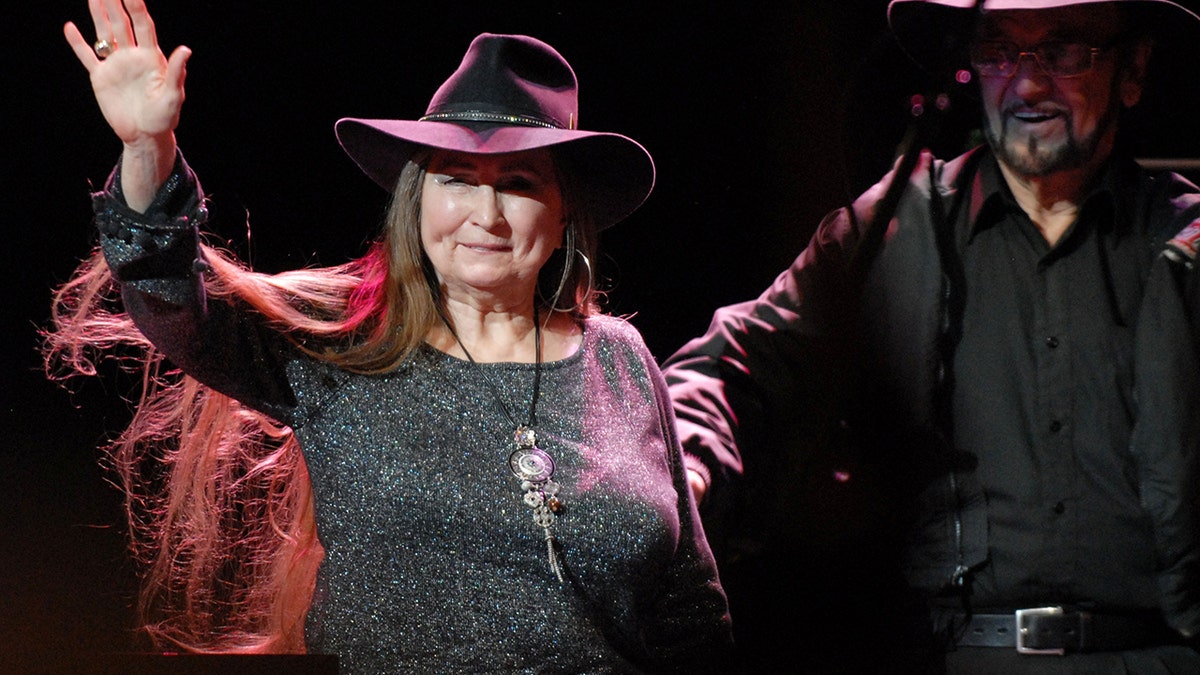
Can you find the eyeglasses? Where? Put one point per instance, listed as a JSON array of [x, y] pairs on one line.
[[1056, 59]]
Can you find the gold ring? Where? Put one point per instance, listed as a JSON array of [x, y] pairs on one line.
[[104, 48]]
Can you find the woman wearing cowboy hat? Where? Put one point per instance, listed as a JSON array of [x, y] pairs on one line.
[[436, 456]]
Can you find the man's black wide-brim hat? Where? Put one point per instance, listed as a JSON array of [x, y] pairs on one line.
[[937, 33]]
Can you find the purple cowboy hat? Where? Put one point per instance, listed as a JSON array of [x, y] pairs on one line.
[[511, 93], [937, 32]]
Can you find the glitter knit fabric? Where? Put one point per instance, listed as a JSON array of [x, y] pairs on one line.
[[434, 558], [433, 561]]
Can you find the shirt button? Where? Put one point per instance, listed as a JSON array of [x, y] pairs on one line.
[[1055, 427], [1059, 508], [1052, 342]]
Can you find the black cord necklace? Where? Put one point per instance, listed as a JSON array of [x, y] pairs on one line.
[[533, 466]]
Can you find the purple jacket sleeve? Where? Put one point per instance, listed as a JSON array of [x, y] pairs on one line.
[[755, 357]]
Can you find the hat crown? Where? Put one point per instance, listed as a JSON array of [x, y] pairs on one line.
[[509, 79]]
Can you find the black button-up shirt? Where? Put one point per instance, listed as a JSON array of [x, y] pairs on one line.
[[1043, 400]]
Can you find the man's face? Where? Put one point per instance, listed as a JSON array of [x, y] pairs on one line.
[[1037, 124]]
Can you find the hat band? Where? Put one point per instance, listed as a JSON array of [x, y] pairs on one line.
[[481, 116]]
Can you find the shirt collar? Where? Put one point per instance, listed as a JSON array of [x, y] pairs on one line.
[[991, 197]]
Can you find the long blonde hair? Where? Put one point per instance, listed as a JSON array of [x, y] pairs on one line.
[[218, 501]]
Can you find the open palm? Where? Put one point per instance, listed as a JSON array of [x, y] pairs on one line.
[[139, 90]]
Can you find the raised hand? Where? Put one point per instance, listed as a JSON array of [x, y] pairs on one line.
[[139, 90]]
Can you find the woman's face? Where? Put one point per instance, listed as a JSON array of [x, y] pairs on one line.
[[489, 222]]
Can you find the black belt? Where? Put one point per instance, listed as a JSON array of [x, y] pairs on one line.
[[1055, 630]]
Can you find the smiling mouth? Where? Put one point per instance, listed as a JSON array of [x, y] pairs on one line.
[[485, 248], [1034, 116]]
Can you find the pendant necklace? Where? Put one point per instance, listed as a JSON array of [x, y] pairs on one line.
[[531, 465]]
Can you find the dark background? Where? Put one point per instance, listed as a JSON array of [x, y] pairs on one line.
[[761, 118]]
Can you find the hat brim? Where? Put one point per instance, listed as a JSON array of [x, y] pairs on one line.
[[617, 173], [937, 33]]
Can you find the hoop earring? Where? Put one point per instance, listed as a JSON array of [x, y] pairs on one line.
[[568, 265], [587, 264]]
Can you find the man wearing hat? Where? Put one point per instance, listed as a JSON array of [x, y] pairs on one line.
[[959, 432]]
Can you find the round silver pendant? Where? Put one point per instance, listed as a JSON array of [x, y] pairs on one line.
[[531, 464]]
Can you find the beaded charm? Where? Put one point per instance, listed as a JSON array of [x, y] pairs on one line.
[[535, 468]]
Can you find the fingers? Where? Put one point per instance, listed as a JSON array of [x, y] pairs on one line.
[[177, 66], [143, 25], [118, 22], [83, 51], [100, 20]]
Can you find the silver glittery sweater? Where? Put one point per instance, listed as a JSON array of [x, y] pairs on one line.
[[433, 561]]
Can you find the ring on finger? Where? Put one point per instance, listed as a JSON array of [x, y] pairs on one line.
[[104, 48]]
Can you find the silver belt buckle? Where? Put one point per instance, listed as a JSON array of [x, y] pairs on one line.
[[1023, 616]]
